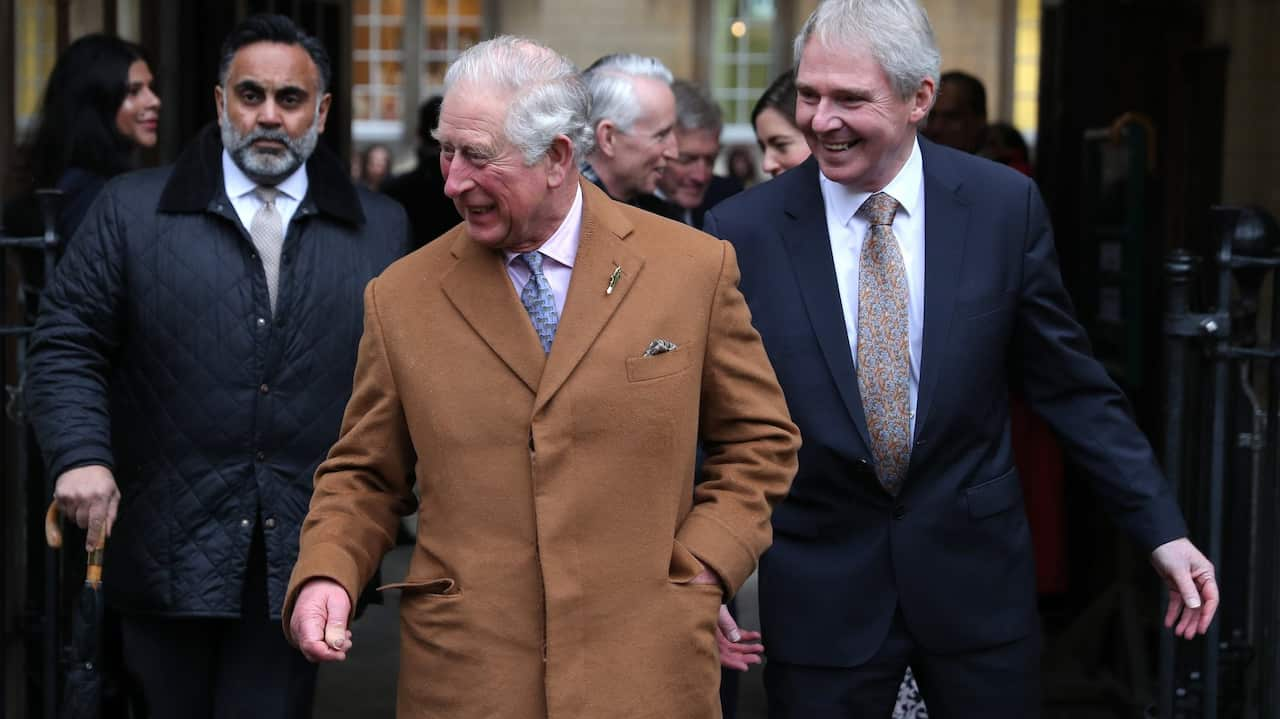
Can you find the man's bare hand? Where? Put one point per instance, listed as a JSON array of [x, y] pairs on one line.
[[89, 496], [736, 651], [1193, 591], [318, 626]]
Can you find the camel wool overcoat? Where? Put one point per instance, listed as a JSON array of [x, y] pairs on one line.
[[559, 524]]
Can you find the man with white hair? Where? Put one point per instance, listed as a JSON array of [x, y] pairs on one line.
[[188, 371], [902, 289], [543, 374], [633, 118]]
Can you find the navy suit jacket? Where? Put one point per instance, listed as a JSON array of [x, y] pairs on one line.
[[952, 551]]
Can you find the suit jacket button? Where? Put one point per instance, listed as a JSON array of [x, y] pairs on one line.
[[899, 511]]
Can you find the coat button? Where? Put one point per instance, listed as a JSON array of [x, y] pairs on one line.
[[244, 523], [899, 511], [261, 322], [269, 522], [260, 456], [263, 388]]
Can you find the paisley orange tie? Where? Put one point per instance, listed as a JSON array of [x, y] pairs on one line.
[[884, 354]]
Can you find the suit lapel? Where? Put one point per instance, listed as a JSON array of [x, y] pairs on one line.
[[946, 219], [479, 287], [809, 246], [587, 307]]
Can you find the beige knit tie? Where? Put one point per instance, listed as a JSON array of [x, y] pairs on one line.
[[267, 233]]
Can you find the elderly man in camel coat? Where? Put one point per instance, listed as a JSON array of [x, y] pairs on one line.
[[545, 372]]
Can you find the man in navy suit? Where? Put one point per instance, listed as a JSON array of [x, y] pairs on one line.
[[902, 289]]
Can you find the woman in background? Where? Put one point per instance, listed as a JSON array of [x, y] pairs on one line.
[[99, 108], [375, 166], [774, 119]]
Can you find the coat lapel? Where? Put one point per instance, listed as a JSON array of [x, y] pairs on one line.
[[587, 308], [809, 246], [479, 287], [946, 219]]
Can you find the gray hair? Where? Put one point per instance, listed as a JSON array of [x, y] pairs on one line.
[[613, 95], [695, 110], [896, 32], [548, 97]]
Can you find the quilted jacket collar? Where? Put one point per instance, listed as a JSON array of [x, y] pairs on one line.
[[196, 181]]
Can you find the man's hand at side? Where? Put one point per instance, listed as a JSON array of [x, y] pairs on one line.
[[319, 622], [1193, 591], [89, 496], [735, 650]]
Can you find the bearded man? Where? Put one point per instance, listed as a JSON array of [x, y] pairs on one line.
[[189, 370]]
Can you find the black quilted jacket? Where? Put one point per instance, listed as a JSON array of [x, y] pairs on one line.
[[157, 355]]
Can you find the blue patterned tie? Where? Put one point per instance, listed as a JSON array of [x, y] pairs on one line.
[[539, 301]]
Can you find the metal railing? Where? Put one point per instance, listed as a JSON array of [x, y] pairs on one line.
[[1222, 436], [39, 617]]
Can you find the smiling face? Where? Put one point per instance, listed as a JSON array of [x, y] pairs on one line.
[[781, 142], [139, 115], [855, 123], [270, 111], [640, 155], [506, 204], [687, 177]]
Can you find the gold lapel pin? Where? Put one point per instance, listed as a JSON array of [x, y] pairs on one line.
[[613, 279]]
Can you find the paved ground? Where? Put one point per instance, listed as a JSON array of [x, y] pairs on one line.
[[365, 685]]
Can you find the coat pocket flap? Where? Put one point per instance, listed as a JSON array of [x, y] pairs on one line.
[[994, 496], [442, 586], [684, 566], [975, 307]]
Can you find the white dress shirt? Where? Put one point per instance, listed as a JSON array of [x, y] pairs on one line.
[[848, 231], [559, 252], [246, 204]]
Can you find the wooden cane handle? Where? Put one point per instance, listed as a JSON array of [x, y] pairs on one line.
[[52, 530]]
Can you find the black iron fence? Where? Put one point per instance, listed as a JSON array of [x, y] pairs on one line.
[[29, 660], [1222, 436]]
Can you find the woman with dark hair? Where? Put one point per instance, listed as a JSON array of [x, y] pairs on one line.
[[774, 119], [99, 108], [375, 166]]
